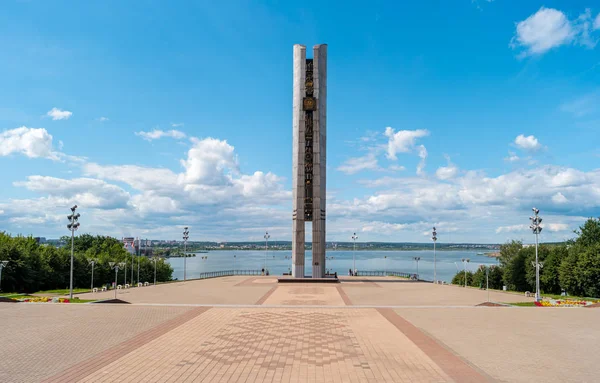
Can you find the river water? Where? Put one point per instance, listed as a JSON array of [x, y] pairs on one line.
[[279, 262]]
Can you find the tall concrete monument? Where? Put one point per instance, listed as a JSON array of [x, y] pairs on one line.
[[310, 142]]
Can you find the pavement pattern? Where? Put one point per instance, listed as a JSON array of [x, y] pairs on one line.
[[297, 333]]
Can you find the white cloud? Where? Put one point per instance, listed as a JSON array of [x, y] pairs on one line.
[[556, 227], [423, 157], [86, 192], [138, 177], [559, 198], [550, 28], [103, 119], [527, 143], [207, 161], [177, 125], [396, 168], [512, 229], [447, 172], [597, 22], [34, 143], [157, 133], [512, 157], [582, 106], [357, 164], [58, 114], [402, 141]]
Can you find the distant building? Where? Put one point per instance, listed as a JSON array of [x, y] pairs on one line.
[[40, 240], [129, 243]]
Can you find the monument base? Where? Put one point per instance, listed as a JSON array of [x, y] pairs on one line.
[[308, 280]]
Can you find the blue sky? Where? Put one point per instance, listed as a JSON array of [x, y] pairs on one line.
[[153, 115]]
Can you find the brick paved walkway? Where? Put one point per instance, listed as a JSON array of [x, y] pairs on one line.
[[333, 341]]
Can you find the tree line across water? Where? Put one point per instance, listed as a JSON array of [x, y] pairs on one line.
[[33, 267], [573, 266]]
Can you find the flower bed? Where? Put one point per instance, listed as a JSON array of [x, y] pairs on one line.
[[563, 303], [45, 300]]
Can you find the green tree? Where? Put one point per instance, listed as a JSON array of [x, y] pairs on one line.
[[589, 233], [588, 271], [515, 276], [509, 250], [543, 254], [459, 278], [567, 272], [549, 274]]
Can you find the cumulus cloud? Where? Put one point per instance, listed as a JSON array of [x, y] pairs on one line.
[[559, 198], [86, 192], [529, 143], [157, 133], [103, 119], [423, 157], [512, 229], [550, 28], [402, 141], [58, 114], [32, 142], [556, 227], [207, 160], [597, 22], [357, 164], [447, 172], [512, 157]]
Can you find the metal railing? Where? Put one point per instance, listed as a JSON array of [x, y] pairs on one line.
[[227, 273], [379, 273]]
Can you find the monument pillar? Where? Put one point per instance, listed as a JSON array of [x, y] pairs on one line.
[[309, 157]]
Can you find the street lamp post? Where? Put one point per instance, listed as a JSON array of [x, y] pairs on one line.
[[465, 261], [234, 256], [186, 236], [537, 229], [267, 236], [417, 259], [117, 266], [139, 253], [385, 265], [72, 226], [354, 238], [155, 259], [487, 281], [2, 265], [434, 238], [92, 262]]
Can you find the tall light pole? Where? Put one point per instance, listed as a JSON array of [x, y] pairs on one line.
[[267, 236], [487, 281], [234, 264], [2, 265], [116, 266], [417, 259], [155, 259], [537, 229], [385, 265], [434, 238], [186, 236], [132, 261], [92, 262], [354, 238], [72, 226], [465, 261], [139, 253]]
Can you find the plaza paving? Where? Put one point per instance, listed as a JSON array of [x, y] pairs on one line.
[[249, 329]]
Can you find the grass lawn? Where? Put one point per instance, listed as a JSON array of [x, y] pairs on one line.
[[523, 304], [63, 291], [558, 296]]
